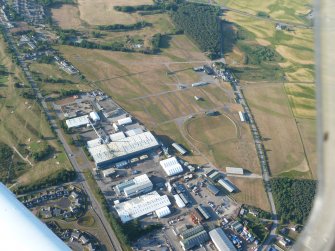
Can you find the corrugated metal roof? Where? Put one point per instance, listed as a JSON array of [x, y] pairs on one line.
[[220, 240], [171, 166]]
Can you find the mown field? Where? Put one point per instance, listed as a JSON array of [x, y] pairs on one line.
[[277, 125], [23, 125], [251, 192]]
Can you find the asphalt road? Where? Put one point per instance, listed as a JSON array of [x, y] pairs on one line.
[[95, 204]]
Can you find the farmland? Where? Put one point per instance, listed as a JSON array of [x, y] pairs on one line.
[[24, 126]]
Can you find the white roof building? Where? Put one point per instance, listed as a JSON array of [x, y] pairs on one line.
[[125, 121], [21, 230], [117, 136], [171, 166], [180, 203], [141, 205], [123, 148], [77, 121], [234, 170], [139, 184], [94, 142], [226, 184], [134, 131], [220, 240], [94, 116], [108, 172], [162, 212]]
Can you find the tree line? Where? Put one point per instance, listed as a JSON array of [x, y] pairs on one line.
[[125, 27], [293, 198], [201, 23]]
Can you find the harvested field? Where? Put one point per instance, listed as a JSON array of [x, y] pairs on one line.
[[273, 115], [252, 192], [101, 12], [66, 16]]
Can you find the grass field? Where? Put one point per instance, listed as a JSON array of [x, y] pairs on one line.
[[251, 192], [101, 12], [224, 141], [23, 125], [272, 112]]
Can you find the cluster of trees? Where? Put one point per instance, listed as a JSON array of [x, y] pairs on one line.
[[257, 54], [256, 227], [143, 7], [55, 179], [125, 27], [202, 24], [68, 93], [293, 198], [28, 94], [6, 154], [45, 59], [51, 2], [156, 42], [41, 152]]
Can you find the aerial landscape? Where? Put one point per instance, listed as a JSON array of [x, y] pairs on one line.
[[160, 124]]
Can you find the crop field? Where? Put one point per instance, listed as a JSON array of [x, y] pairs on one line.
[[272, 112], [101, 12], [286, 10], [295, 47], [302, 99], [251, 192], [23, 125]]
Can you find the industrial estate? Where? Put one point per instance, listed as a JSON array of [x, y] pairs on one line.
[[159, 125]]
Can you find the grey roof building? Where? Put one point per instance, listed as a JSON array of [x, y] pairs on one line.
[[195, 240], [220, 240]]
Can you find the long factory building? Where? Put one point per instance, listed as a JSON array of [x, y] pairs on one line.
[[143, 205], [122, 149]]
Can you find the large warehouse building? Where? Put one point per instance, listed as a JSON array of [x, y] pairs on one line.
[[220, 240], [77, 121], [138, 185], [171, 166], [142, 205], [122, 149]]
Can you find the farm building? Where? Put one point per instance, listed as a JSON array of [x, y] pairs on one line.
[[108, 172], [234, 170], [124, 121], [94, 116], [123, 149], [77, 121], [162, 212], [180, 203], [171, 166], [179, 148], [220, 240], [227, 185], [213, 189], [141, 205], [138, 185], [214, 176], [208, 70]]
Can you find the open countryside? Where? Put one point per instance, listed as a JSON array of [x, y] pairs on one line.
[[198, 113]]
